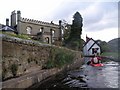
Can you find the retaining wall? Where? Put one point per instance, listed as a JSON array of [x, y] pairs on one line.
[[30, 56]]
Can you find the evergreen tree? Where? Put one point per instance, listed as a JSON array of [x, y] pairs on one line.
[[74, 40], [76, 28]]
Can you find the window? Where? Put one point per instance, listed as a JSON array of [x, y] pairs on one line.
[[95, 50], [40, 30], [29, 30], [62, 32], [53, 33], [47, 39]]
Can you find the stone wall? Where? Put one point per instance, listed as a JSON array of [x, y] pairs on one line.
[[27, 54], [30, 56], [36, 28], [28, 80]]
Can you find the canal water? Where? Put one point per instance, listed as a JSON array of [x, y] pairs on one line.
[[87, 77]]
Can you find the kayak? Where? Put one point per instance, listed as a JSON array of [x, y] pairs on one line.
[[97, 65]]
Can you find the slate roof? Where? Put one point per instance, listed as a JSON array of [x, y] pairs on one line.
[[7, 28]]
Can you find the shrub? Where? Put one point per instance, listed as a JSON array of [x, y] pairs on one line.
[[59, 58], [23, 36], [63, 58], [14, 68], [49, 64]]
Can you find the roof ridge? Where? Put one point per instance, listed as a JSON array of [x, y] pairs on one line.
[[36, 21]]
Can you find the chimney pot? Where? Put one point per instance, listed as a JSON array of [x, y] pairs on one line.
[[7, 22]]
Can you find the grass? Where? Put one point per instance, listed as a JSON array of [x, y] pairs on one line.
[[22, 36], [59, 58], [113, 54]]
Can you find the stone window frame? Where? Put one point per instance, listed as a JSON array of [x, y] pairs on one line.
[[62, 31], [53, 33], [29, 30], [41, 29], [47, 39]]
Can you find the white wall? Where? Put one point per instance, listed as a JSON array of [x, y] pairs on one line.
[[88, 45], [85, 50], [94, 46]]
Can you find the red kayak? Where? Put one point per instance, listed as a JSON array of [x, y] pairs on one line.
[[97, 65]]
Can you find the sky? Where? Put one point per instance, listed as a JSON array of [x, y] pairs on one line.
[[100, 17]]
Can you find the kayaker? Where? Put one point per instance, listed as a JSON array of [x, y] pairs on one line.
[[96, 60]]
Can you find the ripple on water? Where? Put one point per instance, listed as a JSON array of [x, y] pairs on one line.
[[111, 75], [95, 77], [103, 77]]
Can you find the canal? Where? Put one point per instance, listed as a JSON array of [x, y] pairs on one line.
[[86, 77]]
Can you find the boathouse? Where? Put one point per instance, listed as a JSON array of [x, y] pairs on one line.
[[91, 47]]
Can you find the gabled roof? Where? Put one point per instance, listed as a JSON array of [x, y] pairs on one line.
[[93, 45], [95, 42], [87, 41], [7, 28]]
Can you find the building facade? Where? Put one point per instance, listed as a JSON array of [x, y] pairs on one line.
[[91, 47], [47, 32]]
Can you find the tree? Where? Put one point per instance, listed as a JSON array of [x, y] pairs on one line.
[[74, 40], [76, 28]]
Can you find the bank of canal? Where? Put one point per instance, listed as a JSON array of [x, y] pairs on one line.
[[86, 77]]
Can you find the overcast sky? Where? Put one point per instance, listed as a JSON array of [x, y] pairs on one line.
[[100, 17]]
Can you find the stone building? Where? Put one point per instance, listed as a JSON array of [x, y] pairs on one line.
[[47, 32]]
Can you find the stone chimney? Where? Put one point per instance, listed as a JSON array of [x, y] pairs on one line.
[[60, 28], [18, 16], [7, 22], [13, 18], [18, 22]]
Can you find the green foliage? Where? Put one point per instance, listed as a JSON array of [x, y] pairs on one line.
[[63, 58], [22, 36], [67, 32], [14, 69], [75, 45], [74, 39], [114, 44], [104, 46], [111, 54], [49, 64], [59, 58], [76, 28]]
